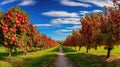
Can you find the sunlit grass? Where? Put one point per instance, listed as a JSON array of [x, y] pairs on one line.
[[99, 51], [39, 58], [5, 64], [94, 58]]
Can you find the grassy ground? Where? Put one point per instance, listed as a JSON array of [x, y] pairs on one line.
[[95, 58], [38, 58]]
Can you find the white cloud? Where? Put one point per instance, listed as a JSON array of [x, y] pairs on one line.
[[96, 11], [100, 3], [60, 14], [66, 21], [39, 25], [76, 27], [64, 31], [7, 2], [27, 2], [118, 1], [83, 12], [65, 34], [72, 3]]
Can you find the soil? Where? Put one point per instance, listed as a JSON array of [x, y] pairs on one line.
[[62, 60]]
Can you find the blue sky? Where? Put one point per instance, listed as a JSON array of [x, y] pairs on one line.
[[57, 18]]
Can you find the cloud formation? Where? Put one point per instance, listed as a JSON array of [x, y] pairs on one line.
[[58, 21], [73, 3], [60, 14], [27, 2], [40, 25], [23, 3], [76, 27], [7, 2], [64, 31], [99, 3], [94, 11], [83, 12]]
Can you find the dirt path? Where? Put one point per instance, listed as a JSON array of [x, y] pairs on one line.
[[62, 60]]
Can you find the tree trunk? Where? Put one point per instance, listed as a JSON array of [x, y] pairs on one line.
[[75, 47], [15, 49], [9, 52], [25, 53], [87, 50], [108, 53], [79, 48]]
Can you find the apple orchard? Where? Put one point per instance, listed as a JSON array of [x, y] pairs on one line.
[[98, 30], [17, 32]]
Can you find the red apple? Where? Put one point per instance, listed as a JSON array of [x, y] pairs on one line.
[[18, 45], [13, 38], [5, 43], [6, 36], [11, 42]]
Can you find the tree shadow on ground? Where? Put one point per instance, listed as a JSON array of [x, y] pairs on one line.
[[90, 60], [66, 49], [4, 55], [46, 60], [43, 61]]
